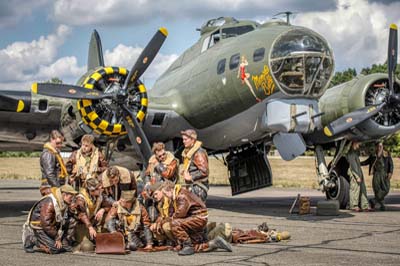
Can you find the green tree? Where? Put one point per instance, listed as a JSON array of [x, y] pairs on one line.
[[341, 77], [55, 80]]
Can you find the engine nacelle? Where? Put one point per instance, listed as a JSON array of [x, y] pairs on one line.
[[360, 92]]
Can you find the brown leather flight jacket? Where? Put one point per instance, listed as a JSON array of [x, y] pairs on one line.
[[50, 169], [188, 204], [79, 207], [198, 167], [44, 215]]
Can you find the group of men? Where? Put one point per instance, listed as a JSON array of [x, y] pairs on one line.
[[380, 165], [85, 197]]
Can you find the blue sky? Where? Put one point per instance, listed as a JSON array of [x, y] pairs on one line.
[[46, 38]]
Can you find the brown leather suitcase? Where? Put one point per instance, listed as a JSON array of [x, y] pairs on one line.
[[110, 243]]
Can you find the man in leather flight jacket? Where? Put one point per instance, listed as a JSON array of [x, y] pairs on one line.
[[51, 164], [195, 165]]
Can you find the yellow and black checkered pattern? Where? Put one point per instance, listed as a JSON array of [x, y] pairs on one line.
[[87, 110]]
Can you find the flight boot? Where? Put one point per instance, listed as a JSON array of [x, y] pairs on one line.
[[218, 242], [187, 248]]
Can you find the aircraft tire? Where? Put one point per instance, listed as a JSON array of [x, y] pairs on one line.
[[341, 192]]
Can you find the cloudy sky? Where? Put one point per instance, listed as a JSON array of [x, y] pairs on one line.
[[42, 39]]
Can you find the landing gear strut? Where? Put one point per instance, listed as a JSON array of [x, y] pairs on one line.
[[333, 179]]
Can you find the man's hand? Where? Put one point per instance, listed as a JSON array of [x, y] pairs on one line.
[[99, 215], [187, 176], [92, 232], [389, 176], [58, 244], [359, 180], [153, 227]]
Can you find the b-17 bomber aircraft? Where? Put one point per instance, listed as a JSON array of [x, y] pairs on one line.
[[243, 86]]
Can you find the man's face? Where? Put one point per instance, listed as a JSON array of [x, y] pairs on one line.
[[67, 197], [161, 155], [356, 145], [114, 180], [86, 147], [57, 143], [167, 193], [126, 204], [96, 192], [379, 148], [158, 195], [187, 142]]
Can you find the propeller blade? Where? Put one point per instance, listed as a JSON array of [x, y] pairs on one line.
[[392, 55], [350, 120], [146, 57], [68, 91], [136, 135], [15, 101]]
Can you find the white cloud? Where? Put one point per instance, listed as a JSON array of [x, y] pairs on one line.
[[357, 30], [26, 62], [126, 56], [121, 12]]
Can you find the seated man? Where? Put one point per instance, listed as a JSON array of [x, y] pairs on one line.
[[50, 226], [161, 228], [130, 218], [189, 220], [117, 179], [90, 208]]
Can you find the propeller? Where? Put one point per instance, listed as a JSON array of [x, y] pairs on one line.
[[136, 134], [392, 61], [146, 57], [351, 119], [120, 96], [15, 101], [68, 91]]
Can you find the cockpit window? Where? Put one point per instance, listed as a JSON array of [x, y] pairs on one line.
[[302, 63], [235, 31], [258, 54], [217, 22]]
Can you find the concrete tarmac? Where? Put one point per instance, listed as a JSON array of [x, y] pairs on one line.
[[348, 239]]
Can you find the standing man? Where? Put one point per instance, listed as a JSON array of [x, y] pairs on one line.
[[50, 226], [381, 165], [162, 165], [117, 179], [358, 190], [52, 165], [195, 164], [86, 162]]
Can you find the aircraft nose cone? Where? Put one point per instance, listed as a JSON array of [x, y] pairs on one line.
[[302, 63]]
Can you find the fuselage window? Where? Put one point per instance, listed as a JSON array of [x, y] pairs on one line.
[[258, 54], [235, 31], [234, 62], [221, 66]]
